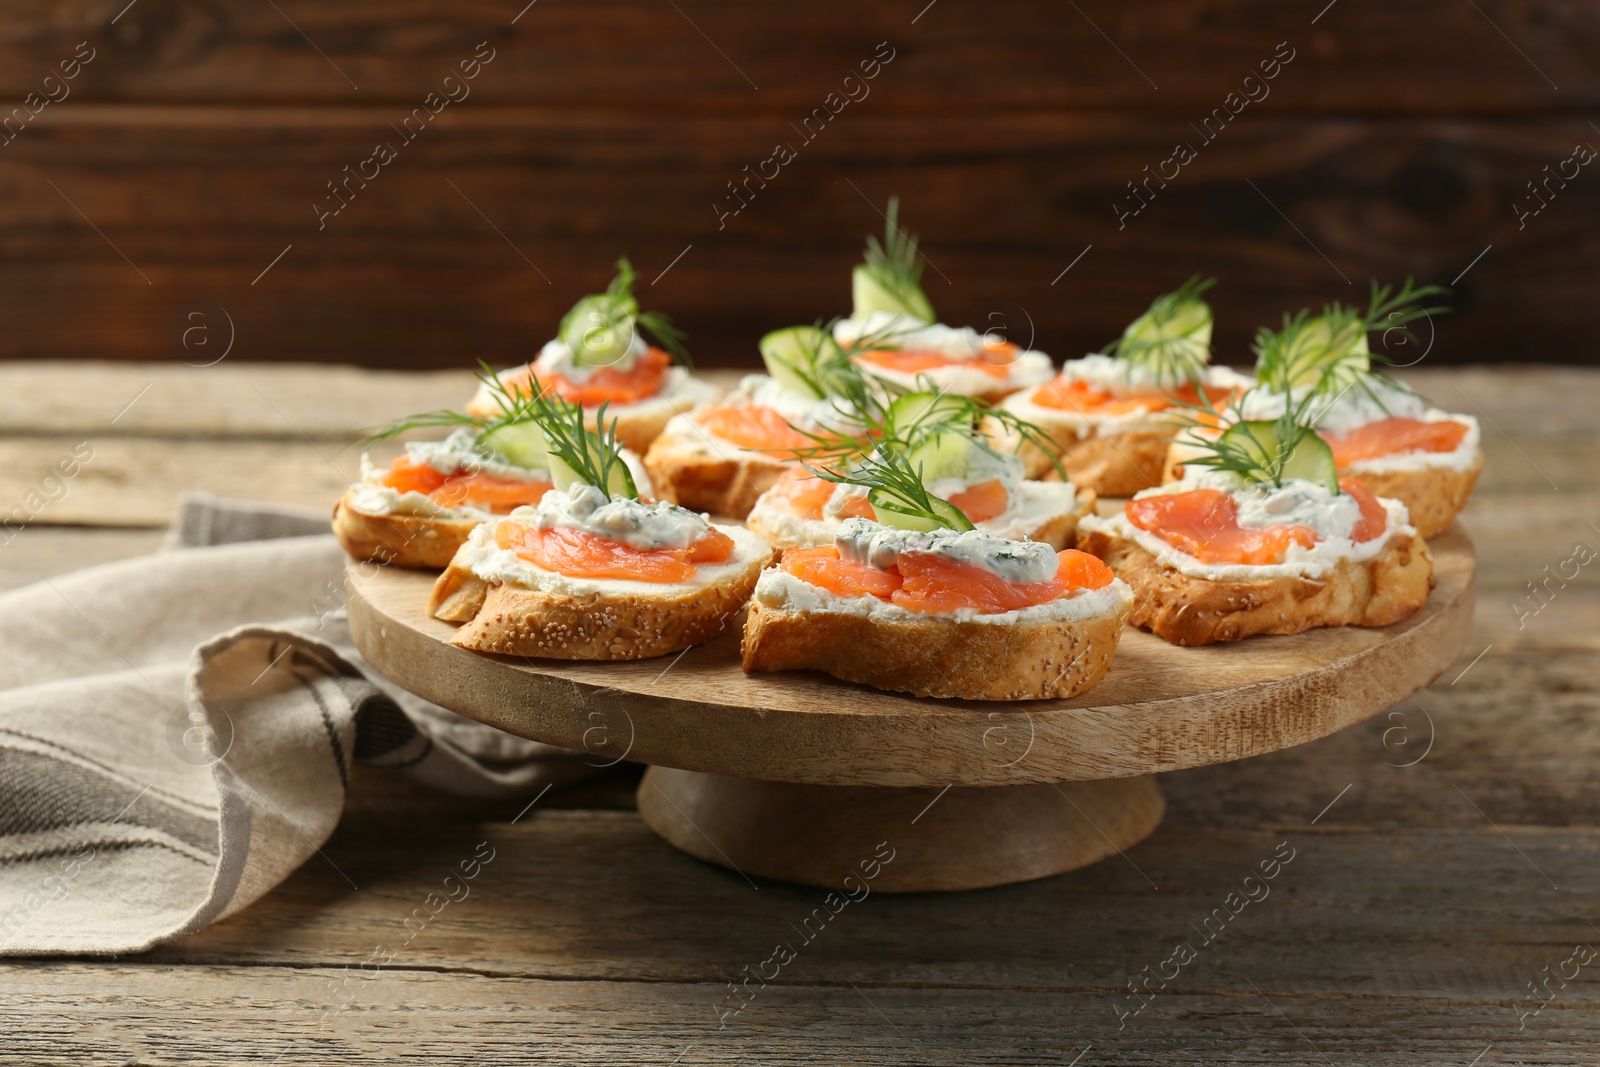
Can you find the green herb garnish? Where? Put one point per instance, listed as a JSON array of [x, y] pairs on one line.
[[600, 328], [890, 279], [1172, 340]]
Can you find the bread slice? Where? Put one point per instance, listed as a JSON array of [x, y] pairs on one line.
[[704, 474], [1114, 462], [595, 620], [936, 656], [1434, 496], [419, 541], [1196, 611], [639, 423]]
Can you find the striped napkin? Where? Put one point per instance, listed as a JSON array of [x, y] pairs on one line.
[[177, 732]]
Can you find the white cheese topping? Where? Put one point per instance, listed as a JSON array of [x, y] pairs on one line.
[[1297, 503], [557, 357], [781, 590], [960, 344], [863, 541], [1345, 410], [622, 519]]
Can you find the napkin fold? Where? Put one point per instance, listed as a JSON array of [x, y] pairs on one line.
[[177, 732]]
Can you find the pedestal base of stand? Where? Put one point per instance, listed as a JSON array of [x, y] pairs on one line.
[[957, 838]]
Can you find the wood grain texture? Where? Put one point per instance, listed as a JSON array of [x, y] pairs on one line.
[[857, 840], [1409, 57], [202, 200], [1160, 708], [1406, 928]]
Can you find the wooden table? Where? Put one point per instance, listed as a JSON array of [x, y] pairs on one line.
[[1444, 855]]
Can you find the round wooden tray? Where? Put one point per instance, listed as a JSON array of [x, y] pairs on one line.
[[733, 740]]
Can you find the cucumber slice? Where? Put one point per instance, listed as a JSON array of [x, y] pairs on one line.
[[563, 476], [521, 443], [599, 329], [1305, 455], [796, 354], [1318, 349], [921, 409], [885, 508], [869, 294], [1190, 322], [942, 455]]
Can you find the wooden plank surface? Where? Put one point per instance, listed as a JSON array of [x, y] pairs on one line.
[[482, 232], [1425, 893]]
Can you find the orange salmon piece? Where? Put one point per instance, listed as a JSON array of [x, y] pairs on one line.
[[805, 493], [1064, 394], [1374, 520], [606, 385], [580, 554], [406, 475], [995, 360], [937, 583], [755, 429], [1390, 437], [823, 568], [983, 501], [488, 492], [1205, 524]]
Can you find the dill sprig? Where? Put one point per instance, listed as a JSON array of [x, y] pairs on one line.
[[614, 317], [1239, 450], [894, 268], [592, 454], [1173, 338], [1330, 353], [887, 472]]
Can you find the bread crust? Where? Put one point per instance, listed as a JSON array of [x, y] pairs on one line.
[[415, 541], [1115, 464], [937, 657], [602, 625], [1434, 496], [702, 477], [1195, 611]]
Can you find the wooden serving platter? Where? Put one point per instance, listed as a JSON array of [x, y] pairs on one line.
[[800, 777], [1160, 708]]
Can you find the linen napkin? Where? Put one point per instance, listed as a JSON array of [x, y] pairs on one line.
[[177, 732]]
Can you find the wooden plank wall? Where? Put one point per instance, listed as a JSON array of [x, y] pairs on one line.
[[194, 149]]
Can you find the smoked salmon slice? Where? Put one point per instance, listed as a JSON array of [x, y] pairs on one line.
[[983, 501], [922, 581], [807, 495], [1066, 394], [994, 360], [1205, 524], [1374, 519], [462, 487], [607, 385], [1391, 437], [580, 554], [755, 429]]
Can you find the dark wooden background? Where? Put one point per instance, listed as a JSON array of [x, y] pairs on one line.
[[191, 150]]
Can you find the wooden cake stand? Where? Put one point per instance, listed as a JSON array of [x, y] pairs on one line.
[[799, 777]]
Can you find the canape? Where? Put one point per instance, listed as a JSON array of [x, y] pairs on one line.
[[419, 510], [1399, 444], [721, 457], [601, 356], [922, 602], [1261, 536], [593, 572], [955, 460], [895, 334], [1111, 413]]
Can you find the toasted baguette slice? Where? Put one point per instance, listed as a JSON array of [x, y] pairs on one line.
[[772, 519], [706, 475], [936, 656], [594, 619], [420, 541], [1433, 495], [639, 423], [1110, 460], [1195, 611]]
